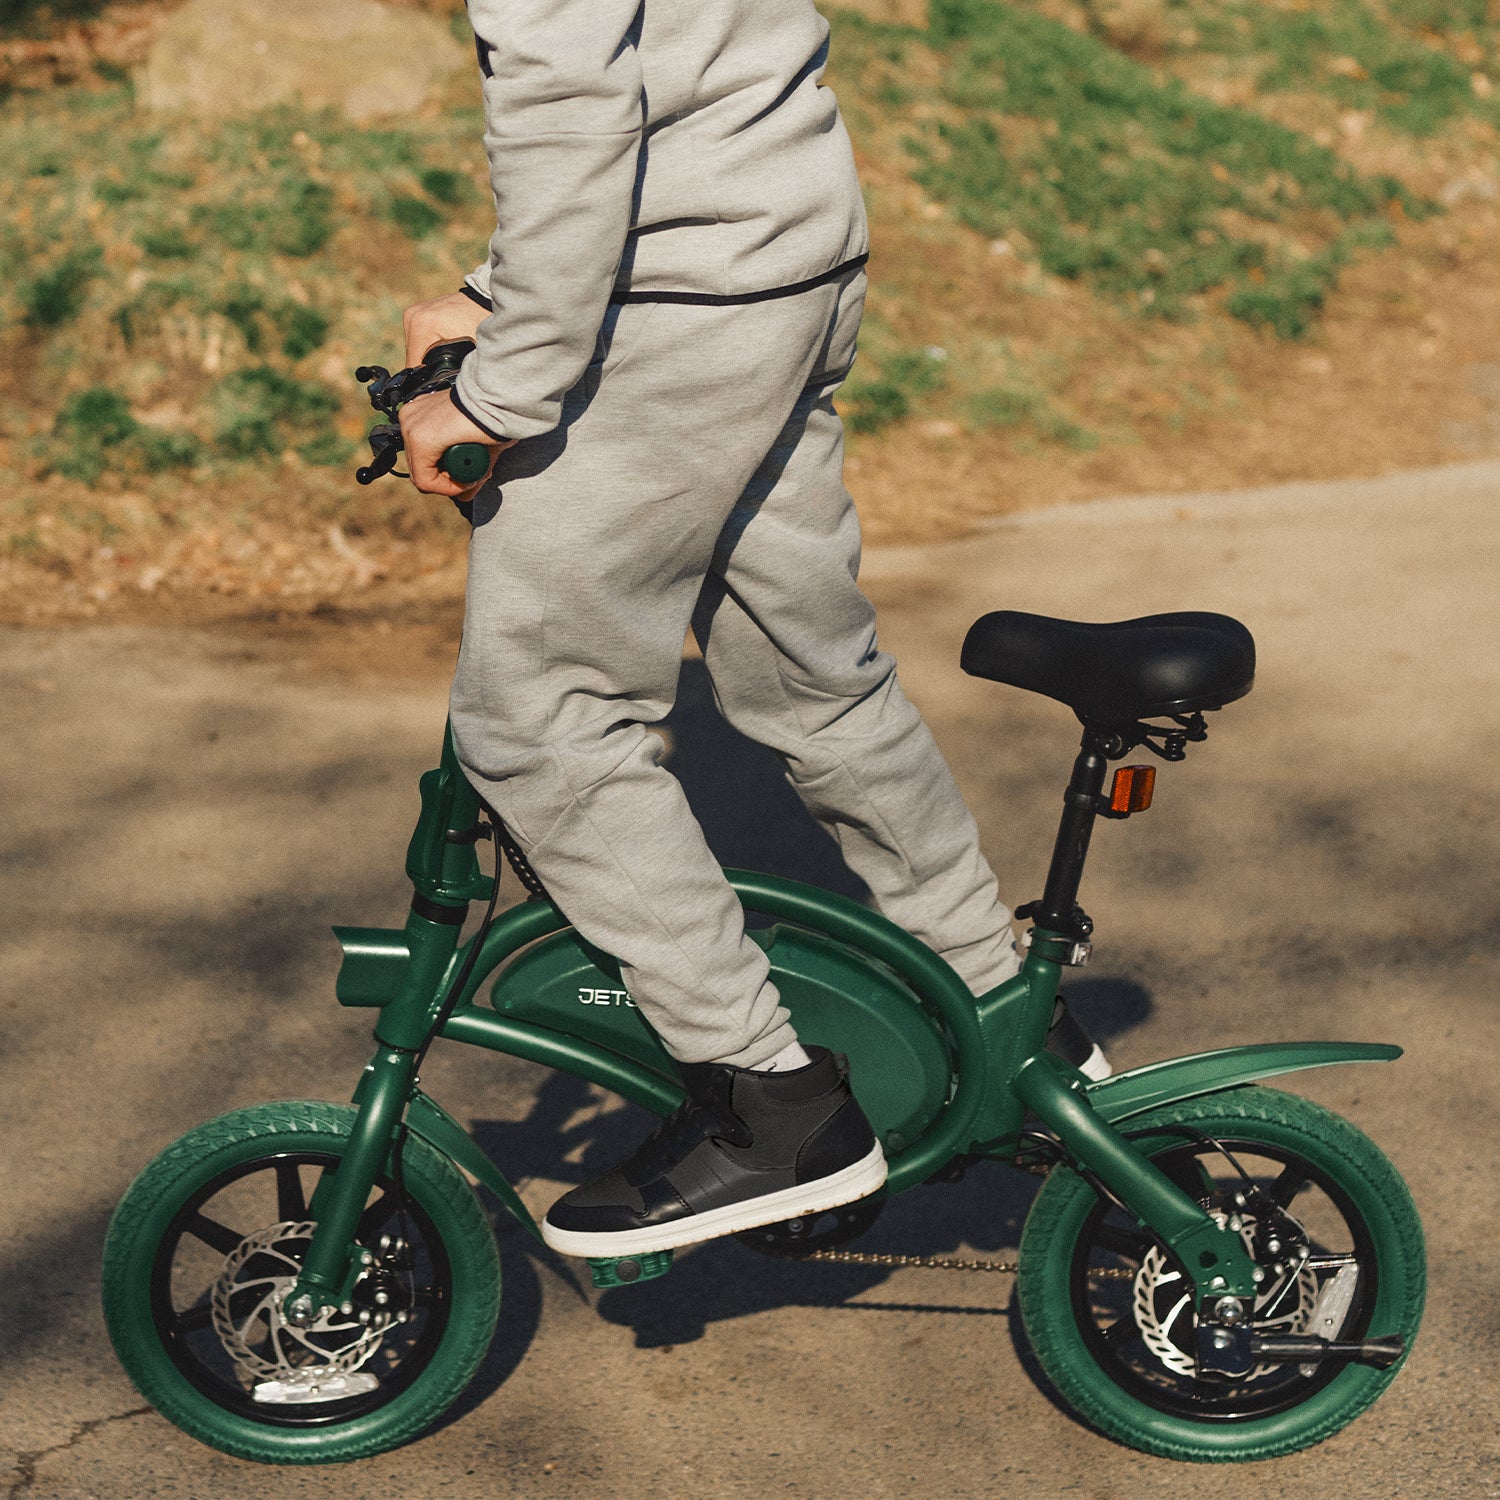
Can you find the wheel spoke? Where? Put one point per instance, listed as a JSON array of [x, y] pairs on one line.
[[1128, 1244], [291, 1202], [218, 1236], [1286, 1187], [194, 1318]]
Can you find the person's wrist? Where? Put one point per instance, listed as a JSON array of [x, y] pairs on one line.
[[484, 427]]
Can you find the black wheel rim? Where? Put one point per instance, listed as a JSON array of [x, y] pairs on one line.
[[1110, 1243], [243, 1200]]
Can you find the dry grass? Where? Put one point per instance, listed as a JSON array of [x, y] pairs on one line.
[[1086, 394]]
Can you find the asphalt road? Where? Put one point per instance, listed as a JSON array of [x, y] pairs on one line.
[[186, 814]]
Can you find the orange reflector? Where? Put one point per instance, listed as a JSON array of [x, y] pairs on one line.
[[1131, 792]]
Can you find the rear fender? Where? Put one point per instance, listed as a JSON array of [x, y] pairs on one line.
[[1126, 1094]]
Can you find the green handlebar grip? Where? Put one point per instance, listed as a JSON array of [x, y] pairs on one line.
[[466, 462]]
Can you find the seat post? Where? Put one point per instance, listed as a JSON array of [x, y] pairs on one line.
[[1055, 911]]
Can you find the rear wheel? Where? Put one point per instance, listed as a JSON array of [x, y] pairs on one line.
[[1111, 1317], [208, 1239]]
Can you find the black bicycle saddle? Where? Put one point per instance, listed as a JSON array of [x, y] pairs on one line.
[[1116, 673]]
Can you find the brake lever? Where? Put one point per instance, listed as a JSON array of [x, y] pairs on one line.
[[389, 392], [385, 445]]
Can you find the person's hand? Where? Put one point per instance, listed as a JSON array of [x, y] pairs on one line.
[[439, 321], [429, 426]]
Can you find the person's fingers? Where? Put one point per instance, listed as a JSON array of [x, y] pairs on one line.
[[430, 425], [439, 320]]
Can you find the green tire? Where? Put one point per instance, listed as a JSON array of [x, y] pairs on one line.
[[1110, 1351], [172, 1241]]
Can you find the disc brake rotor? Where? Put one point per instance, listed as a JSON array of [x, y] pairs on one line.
[[286, 1364], [1163, 1301]]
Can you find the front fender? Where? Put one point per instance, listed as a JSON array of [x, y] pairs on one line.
[[428, 1119], [1125, 1094]]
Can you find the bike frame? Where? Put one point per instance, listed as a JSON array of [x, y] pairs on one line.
[[996, 1066]]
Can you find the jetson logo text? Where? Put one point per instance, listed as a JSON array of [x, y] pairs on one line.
[[605, 997]]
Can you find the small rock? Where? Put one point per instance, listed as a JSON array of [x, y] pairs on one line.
[[221, 57]]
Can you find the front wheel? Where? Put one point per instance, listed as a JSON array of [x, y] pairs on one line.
[[1110, 1315], [208, 1239]]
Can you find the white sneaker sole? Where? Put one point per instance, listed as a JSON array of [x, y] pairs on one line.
[[856, 1181]]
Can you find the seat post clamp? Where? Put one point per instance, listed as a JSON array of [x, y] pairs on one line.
[[1058, 950]]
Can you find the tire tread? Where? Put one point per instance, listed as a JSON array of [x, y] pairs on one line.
[[329, 1123], [1050, 1332]]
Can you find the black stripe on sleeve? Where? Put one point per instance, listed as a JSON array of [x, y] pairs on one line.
[[484, 427], [734, 299]]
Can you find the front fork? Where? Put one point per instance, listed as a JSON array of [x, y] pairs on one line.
[[445, 876], [385, 1089], [1224, 1275], [334, 1258]]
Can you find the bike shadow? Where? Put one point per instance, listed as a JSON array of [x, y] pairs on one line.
[[753, 819], [566, 1138], [739, 793]]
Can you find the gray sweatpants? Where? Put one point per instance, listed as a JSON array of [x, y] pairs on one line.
[[696, 479]]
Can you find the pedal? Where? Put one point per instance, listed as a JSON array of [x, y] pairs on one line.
[[629, 1269]]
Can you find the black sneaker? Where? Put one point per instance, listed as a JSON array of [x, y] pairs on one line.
[[744, 1149], [1068, 1040]]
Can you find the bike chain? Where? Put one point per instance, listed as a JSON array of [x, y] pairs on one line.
[[941, 1263], [944, 1262]]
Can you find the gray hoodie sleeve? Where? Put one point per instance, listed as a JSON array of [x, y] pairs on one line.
[[563, 125]]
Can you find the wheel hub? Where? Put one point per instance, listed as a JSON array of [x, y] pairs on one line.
[[321, 1361], [1163, 1296]]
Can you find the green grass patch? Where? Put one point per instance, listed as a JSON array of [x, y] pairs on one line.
[[448, 187], [1120, 177], [415, 217], [1409, 62], [95, 430], [260, 411], [56, 296], [902, 378], [295, 217], [168, 243]]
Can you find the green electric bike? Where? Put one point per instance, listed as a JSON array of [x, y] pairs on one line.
[[1211, 1270]]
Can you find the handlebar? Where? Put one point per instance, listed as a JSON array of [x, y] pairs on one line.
[[465, 462]]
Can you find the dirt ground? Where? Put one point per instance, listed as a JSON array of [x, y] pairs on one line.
[[188, 810]]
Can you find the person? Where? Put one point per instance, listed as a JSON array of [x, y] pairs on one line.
[[669, 303]]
